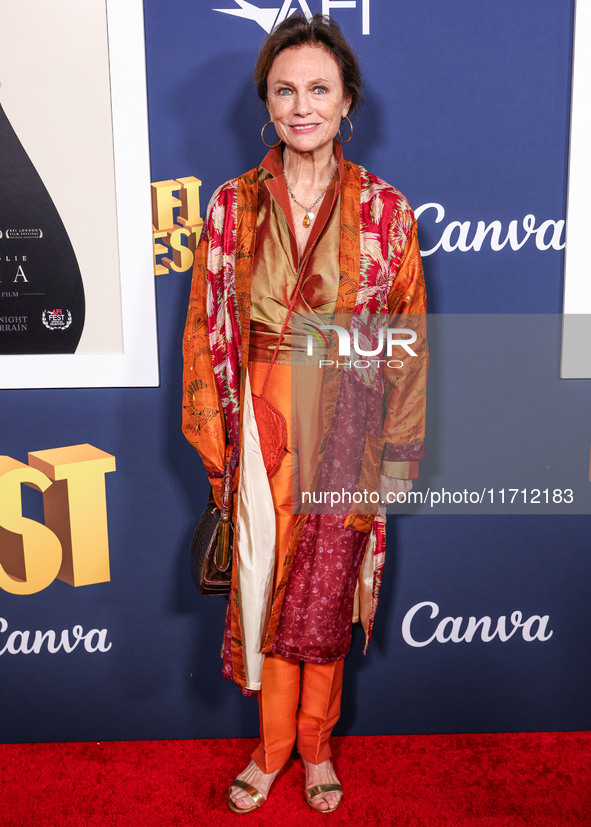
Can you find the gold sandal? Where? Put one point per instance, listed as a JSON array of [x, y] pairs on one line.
[[320, 789], [256, 795]]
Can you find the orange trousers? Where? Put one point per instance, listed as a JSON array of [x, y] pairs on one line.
[[299, 703]]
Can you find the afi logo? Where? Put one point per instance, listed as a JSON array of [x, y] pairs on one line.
[[269, 18]]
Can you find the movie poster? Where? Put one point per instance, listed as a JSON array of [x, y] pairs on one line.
[[59, 260]]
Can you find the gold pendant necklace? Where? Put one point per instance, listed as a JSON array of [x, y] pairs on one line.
[[309, 216]]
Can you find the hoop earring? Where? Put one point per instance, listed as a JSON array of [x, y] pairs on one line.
[[347, 118], [272, 146]]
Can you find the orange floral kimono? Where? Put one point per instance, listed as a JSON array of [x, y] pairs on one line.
[[380, 275]]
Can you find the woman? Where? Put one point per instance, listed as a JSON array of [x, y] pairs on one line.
[[311, 234]]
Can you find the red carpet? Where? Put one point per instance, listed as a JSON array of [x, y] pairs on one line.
[[417, 780]]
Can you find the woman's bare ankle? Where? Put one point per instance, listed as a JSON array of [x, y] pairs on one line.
[[318, 774], [253, 775]]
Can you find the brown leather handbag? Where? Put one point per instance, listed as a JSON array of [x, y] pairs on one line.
[[211, 546]]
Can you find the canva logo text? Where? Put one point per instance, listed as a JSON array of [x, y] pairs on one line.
[[24, 642], [461, 236], [462, 630]]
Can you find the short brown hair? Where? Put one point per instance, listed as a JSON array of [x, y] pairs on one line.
[[297, 30]]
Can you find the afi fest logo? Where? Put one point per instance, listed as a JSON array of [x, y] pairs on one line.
[[73, 544], [388, 338], [268, 18], [57, 319]]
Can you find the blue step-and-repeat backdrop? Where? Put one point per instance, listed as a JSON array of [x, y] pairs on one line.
[[467, 112]]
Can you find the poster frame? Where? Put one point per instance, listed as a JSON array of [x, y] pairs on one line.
[[137, 364], [576, 326]]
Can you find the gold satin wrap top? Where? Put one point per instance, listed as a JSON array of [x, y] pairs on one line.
[[277, 266]]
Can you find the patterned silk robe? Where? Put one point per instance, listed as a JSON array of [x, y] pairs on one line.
[[380, 274]]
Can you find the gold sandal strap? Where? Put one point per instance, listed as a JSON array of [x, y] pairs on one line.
[[255, 794], [320, 789]]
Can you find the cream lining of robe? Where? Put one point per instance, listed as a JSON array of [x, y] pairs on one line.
[[255, 545], [255, 550], [364, 588]]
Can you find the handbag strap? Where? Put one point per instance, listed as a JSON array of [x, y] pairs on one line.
[[227, 487], [287, 318], [222, 552]]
